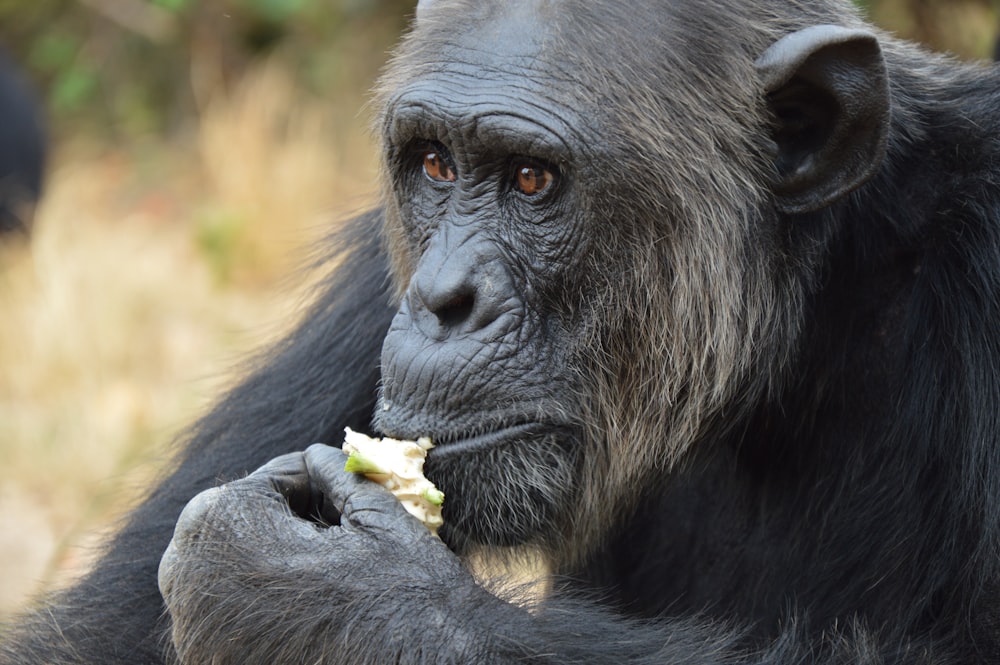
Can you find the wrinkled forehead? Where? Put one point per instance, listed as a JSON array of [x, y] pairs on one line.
[[567, 33], [496, 43], [480, 61], [512, 28]]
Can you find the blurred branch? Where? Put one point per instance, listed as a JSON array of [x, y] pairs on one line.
[[148, 20]]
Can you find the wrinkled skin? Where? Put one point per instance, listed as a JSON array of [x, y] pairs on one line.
[[392, 591], [480, 354], [225, 524]]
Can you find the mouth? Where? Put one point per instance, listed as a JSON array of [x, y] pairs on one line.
[[469, 444]]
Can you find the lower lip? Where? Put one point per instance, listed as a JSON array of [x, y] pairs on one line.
[[487, 440]]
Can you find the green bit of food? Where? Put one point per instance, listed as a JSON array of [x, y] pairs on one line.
[[398, 466], [358, 463], [433, 495]]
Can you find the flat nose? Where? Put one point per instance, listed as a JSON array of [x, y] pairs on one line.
[[459, 292]]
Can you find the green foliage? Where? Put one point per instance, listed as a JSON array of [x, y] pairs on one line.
[[116, 67], [219, 237], [53, 51], [277, 11], [72, 79], [175, 6], [73, 87]]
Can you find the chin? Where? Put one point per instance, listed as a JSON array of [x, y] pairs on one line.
[[503, 491]]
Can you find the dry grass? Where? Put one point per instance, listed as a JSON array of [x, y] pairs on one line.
[[965, 28], [149, 272]]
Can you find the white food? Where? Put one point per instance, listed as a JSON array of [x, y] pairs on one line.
[[399, 467]]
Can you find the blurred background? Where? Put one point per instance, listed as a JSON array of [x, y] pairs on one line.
[[197, 150]]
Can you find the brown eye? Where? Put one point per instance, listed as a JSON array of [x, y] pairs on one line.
[[437, 168], [533, 179]]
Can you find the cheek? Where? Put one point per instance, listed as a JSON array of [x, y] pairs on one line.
[[420, 216]]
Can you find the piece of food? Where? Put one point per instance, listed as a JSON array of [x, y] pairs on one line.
[[399, 467]]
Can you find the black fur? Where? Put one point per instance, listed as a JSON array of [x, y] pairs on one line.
[[841, 506], [22, 149]]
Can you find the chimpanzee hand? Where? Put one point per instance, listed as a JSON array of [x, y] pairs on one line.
[[255, 573]]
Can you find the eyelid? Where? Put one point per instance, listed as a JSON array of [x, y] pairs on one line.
[[421, 147]]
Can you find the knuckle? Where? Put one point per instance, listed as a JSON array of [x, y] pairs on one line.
[[167, 572], [288, 463], [324, 458], [316, 449], [197, 512]]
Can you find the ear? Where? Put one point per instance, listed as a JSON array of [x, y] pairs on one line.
[[828, 92]]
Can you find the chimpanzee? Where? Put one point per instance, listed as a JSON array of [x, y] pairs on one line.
[[22, 149], [700, 300]]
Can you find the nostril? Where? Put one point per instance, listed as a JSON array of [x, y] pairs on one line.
[[457, 295], [456, 311]]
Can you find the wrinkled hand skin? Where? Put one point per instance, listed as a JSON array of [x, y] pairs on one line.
[[379, 587]]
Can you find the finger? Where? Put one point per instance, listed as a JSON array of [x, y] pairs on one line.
[[200, 510], [289, 476], [361, 502]]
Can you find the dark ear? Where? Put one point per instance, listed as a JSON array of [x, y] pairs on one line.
[[828, 92]]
